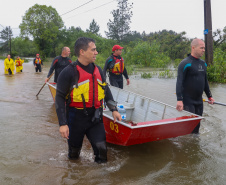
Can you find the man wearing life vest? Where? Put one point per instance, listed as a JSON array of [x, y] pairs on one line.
[[59, 63], [37, 63], [116, 67], [82, 86], [18, 64], [9, 65]]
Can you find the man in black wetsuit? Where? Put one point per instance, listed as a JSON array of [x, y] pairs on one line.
[[59, 63], [192, 81], [116, 68], [84, 85], [37, 63]]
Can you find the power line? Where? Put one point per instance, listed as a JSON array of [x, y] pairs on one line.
[[2, 26], [76, 7], [92, 9]]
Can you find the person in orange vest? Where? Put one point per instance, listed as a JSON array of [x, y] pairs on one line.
[[9, 65], [82, 86], [37, 63], [116, 67], [18, 64]]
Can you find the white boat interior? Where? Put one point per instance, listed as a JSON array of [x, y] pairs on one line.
[[141, 109]]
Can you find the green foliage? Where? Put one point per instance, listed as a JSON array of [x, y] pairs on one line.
[[177, 62], [217, 71], [119, 27], [43, 24], [93, 27], [147, 55], [73, 58], [146, 75], [174, 44], [23, 47], [5, 35], [166, 74]]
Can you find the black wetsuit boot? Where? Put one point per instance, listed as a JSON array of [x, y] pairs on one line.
[[73, 153], [100, 152]]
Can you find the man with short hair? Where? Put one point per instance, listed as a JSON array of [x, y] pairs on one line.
[[116, 67], [192, 81], [82, 85], [59, 63], [37, 63], [9, 65]]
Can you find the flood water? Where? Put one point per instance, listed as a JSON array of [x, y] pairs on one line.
[[33, 152]]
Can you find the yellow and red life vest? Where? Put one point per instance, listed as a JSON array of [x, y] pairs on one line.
[[38, 59], [119, 66], [90, 86], [18, 62]]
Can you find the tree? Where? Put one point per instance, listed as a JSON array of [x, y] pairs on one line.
[[93, 27], [176, 45], [119, 27], [43, 24], [219, 37], [6, 35], [23, 47]]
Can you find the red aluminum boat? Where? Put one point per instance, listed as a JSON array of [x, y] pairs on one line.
[[146, 119]]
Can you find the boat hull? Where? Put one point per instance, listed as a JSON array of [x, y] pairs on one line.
[[120, 134], [52, 88]]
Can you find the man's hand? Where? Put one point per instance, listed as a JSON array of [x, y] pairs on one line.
[[128, 82], [64, 131], [180, 105], [46, 80], [211, 100], [116, 116]]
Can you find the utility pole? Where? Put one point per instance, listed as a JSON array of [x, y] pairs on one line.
[[208, 32], [10, 42]]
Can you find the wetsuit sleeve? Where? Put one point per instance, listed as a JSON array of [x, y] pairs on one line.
[[125, 73], [180, 79], [105, 68], [207, 88], [64, 83], [53, 66]]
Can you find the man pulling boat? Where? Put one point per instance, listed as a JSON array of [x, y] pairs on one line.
[[83, 86], [192, 81]]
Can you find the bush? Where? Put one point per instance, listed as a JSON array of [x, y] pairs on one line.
[[147, 55], [217, 71]]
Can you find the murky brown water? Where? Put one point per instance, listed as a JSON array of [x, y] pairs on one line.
[[32, 151]]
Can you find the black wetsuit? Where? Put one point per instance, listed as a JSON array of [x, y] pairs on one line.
[[38, 66], [115, 80], [58, 64], [191, 82], [79, 123]]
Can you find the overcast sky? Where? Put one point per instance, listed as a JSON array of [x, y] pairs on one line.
[[148, 15]]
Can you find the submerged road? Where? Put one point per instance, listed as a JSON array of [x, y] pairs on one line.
[[33, 152]]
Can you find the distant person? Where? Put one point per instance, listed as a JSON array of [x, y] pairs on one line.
[[116, 67], [9, 65], [192, 81], [19, 64], [59, 63], [83, 84], [37, 63]]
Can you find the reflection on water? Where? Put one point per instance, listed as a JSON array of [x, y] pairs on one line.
[[32, 151]]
